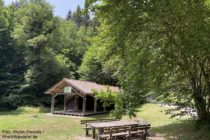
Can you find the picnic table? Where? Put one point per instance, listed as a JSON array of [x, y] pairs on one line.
[[100, 126]]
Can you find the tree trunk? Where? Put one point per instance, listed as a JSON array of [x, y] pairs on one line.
[[200, 105], [208, 106], [199, 98]]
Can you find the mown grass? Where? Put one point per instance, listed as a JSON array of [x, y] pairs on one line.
[[67, 128], [172, 128], [52, 127]]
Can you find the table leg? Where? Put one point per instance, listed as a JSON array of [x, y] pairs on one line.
[[94, 133], [100, 131]]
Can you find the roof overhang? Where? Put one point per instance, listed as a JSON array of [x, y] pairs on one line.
[[64, 82]]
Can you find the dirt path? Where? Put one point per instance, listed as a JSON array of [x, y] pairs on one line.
[[155, 136]]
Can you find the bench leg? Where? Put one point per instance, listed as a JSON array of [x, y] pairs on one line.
[[146, 131], [144, 136]]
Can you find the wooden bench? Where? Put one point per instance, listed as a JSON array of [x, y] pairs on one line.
[[87, 128], [126, 132], [97, 120], [114, 132], [139, 131], [146, 127]]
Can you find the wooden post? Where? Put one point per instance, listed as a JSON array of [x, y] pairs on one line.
[[65, 104], [75, 103], [84, 106], [95, 104], [52, 103]]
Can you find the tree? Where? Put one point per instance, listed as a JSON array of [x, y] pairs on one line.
[[163, 46], [37, 49], [81, 18], [77, 16], [69, 15], [92, 68], [11, 61], [33, 30], [73, 44], [121, 107]]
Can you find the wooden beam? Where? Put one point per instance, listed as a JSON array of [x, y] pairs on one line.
[[65, 103], [84, 106], [76, 103], [52, 103], [95, 104], [50, 90]]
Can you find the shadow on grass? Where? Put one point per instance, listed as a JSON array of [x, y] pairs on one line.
[[7, 113], [25, 110], [183, 130]]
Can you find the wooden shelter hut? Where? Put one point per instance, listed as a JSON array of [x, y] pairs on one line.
[[79, 98]]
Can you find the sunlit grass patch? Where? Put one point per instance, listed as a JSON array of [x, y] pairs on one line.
[[31, 110]]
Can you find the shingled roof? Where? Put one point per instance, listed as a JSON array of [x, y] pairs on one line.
[[84, 87]]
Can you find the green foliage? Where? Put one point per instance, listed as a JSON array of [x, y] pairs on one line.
[[69, 15], [107, 97], [144, 46], [94, 66], [163, 46], [37, 49], [92, 70], [33, 29], [71, 45], [121, 107], [80, 17], [11, 62]]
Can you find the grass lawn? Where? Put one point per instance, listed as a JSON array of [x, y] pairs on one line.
[[172, 128], [67, 128]]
